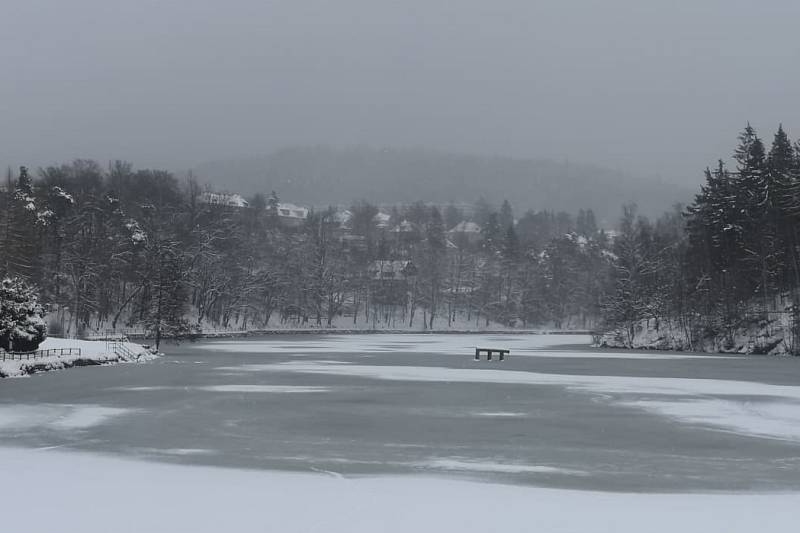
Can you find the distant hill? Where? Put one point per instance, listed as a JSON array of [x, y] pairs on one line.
[[321, 176]]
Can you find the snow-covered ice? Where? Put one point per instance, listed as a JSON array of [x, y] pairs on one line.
[[609, 384], [776, 414], [233, 388], [264, 388], [56, 416], [174, 451], [464, 465], [774, 419], [389, 343], [93, 494], [499, 414], [450, 344]]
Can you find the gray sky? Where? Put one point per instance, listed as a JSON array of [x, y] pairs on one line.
[[652, 87]]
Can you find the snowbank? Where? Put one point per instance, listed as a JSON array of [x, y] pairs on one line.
[[96, 494], [92, 353]]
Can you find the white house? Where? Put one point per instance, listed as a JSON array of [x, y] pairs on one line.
[[291, 215], [382, 220], [465, 232], [222, 199]]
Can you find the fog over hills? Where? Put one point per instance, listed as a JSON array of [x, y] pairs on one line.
[[322, 175]]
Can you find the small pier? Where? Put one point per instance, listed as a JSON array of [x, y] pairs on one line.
[[489, 352]]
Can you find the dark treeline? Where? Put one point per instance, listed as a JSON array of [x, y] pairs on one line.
[[727, 264], [124, 248]]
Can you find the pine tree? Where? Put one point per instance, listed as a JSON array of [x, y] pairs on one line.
[[506, 217], [22, 325], [782, 168], [630, 300], [20, 230], [163, 314], [758, 254], [492, 233]]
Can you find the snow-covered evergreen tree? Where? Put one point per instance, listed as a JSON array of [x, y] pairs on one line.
[[784, 173], [22, 325]]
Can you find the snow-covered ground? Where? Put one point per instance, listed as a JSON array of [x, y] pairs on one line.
[[92, 353], [94, 494]]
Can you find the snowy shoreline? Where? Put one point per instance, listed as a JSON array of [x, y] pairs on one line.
[[335, 331], [757, 338], [93, 353]]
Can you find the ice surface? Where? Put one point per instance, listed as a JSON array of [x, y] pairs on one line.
[[500, 414], [410, 343], [758, 418], [606, 384], [175, 451], [776, 414], [56, 416], [263, 388], [489, 466], [520, 346], [96, 494], [232, 388]]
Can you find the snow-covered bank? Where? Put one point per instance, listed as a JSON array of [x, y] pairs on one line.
[[760, 337], [92, 353], [94, 494]]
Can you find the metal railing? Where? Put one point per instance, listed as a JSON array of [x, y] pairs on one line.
[[116, 334], [119, 348], [38, 354]]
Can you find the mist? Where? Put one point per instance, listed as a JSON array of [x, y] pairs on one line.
[[653, 89]]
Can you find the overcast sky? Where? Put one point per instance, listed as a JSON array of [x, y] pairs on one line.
[[651, 87]]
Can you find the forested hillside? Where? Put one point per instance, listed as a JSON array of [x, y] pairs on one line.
[[119, 247], [725, 274], [322, 176]]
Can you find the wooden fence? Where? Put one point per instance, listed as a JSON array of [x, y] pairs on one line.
[[38, 354]]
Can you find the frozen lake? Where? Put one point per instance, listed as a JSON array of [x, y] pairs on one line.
[[555, 414]]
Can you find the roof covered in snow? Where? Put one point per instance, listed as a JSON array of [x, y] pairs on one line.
[[292, 211], [466, 227], [381, 219], [224, 199]]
